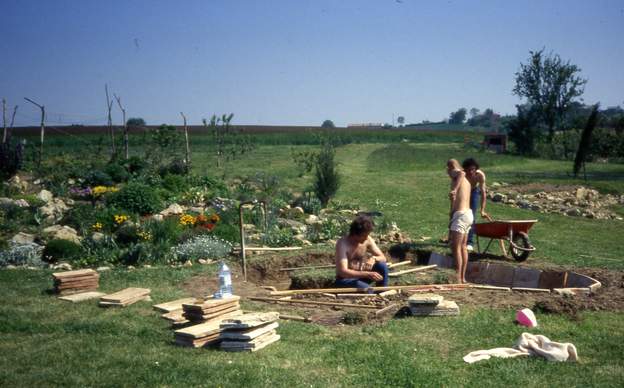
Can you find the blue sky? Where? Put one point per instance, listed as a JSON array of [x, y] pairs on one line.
[[295, 62]]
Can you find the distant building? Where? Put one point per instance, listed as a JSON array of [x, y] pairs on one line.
[[365, 125], [496, 142]]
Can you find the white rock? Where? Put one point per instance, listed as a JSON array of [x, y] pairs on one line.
[[97, 236], [103, 269], [21, 203], [62, 267], [158, 217], [62, 232], [23, 238], [45, 196], [312, 219], [173, 209], [188, 263]]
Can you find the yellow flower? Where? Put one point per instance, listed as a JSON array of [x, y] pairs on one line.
[[215, 218], [187, 219], [97, 226], [120, 218], [99, 190], [146, 236]]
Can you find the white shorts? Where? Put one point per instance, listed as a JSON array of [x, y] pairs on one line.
[[462, 221]]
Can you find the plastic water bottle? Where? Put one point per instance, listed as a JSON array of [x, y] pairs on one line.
[[225, 282]]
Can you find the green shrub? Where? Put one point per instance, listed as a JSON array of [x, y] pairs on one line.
[[280, 238], [326, 177], [117, 172], [127, 234], [175, 167], [11, 158], [167, 231], [58, 249], [137, 198], [135, 165], [175, 183], [98, 178], [228, 232]]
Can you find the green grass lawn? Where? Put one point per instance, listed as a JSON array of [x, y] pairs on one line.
[[47, 342]]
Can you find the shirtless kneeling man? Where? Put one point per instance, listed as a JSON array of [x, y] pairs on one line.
[[353, 266]]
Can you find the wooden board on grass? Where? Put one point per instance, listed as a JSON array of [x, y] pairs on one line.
[[193, 316], [252, 346], [210, 303], [247, 335], [76, 273], [173, 305], [125, 303], [206, 328], [247, 321], [125, 295], [80, 297]]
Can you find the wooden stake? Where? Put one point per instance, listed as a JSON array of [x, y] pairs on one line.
[[109, 105], [273, 249], [123, 111], [394, 274], [4, 137], [42, 128], [294, 318], [493, 288], [188, 150], [315, 303]]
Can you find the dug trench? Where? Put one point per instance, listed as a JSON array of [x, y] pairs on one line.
[[266, 270]]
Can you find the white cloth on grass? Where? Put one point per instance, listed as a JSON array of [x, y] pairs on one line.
[[529, 345]]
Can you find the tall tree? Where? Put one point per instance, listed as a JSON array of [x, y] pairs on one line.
[[550, 85], [328, 124], [401, 120], [458, 117], [585, 143]]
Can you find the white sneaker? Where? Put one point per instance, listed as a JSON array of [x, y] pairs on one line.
[[469, 248]]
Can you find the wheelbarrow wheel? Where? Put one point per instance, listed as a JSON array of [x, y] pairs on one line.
[[521, 239]]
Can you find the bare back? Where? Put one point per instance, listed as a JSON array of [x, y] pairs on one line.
[[462, 198]]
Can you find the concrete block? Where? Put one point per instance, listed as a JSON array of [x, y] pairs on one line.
[[526, 277], [500, 275]]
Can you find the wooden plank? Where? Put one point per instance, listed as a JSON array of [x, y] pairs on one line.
[[351, 290], [247, 335], [174, 316], [545, 290], [71, 291], [309, 302], [173, 305], [125, 294], [356, 295], [77, 285], [308, 267], [256, 347], [273, 249], [76, 280], [426, 267], [493, 288], [210, 303], [204, 317], [212, 310], [80, 297], [385, 309], [69, 274], [294, 318], [127, 302], [197, 343], [400, 263], [389, 293], [247, 321]]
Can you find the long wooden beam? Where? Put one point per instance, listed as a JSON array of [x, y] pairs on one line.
[[426, 267], [363, 290], [310, 302], [308, 267], [400, 263]]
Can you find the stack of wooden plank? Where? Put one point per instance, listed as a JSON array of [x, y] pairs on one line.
[[173, 311], [249, 332], [202, 335], [211, 309], [125, 297], [71, 282], [432, 305]]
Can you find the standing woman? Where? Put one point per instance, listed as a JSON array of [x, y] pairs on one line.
[[476, 177]]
